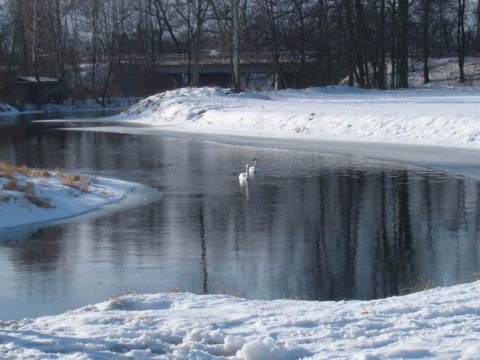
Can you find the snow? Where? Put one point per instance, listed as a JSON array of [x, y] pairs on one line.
[[63, 203], [436, 114], [441, 323], [416, 116]]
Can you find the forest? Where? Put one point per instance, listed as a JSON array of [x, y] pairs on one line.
[[101, 48]]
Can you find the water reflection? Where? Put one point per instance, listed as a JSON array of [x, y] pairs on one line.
[[309, 225]]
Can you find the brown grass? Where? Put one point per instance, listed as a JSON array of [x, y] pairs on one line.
[[29, 188], [423, 284], [6, 170], [42, 173], [28, 192], [12, 184], [42, 202], [76, 181], [24, 170]]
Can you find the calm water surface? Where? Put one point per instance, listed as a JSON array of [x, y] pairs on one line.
[[310, 225]]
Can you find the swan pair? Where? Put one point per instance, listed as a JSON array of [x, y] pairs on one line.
[[248, 170]]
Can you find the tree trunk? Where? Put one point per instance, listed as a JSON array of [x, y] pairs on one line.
[[461, 39], [235, 42], [425, 39], [403, 44], [381, 83], [270, 7], [197, 39], [351, 43], [393, 49]]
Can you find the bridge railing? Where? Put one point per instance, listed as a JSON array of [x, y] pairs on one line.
[[214, 57]]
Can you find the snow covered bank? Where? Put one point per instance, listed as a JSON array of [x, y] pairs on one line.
[[448, 116], [442, 323], [49, 200]]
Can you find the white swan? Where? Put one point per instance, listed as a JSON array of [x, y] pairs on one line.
[[244, 176], [253, 169]]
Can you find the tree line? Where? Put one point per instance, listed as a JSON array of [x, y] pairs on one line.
[[110, 47]]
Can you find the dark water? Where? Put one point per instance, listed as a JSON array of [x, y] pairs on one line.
[[19, 118], [309, 226]]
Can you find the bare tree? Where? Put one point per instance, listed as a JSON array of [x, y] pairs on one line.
[[426, 7], [403, 54], [461, 38]]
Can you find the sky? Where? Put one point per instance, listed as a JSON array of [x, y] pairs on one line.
[[440, 323]]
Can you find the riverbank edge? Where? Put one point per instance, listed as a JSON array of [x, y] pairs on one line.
[[136, 195], [458, 160]]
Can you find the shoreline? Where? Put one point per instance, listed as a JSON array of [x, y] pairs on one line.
[[459, 160], [132, 195]]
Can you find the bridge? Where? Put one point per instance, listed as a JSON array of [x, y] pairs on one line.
[[218, 62]]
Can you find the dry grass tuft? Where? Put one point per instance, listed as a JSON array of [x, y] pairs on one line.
[[6, 170], [42, 173], [12, 184], [28, 191], [475, 276], [423, 284], [24, 170], [29, 188], [9, 172], [76, 181], [42, 202]]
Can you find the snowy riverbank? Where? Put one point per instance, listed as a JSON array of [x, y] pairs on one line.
[[442, 323], [30, 199], [447, 116]]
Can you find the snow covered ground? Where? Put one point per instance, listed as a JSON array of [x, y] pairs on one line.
[[51, 201], [439, 323], [416, 116], [442, 323]]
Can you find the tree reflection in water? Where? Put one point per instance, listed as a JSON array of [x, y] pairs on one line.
[[312, 226]]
